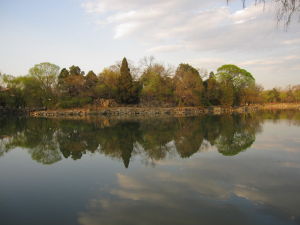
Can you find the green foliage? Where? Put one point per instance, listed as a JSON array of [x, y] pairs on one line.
[[41, 83], [272, 95], [188, 85], [108, 83], [227, 93], [48, 141], [212, 93], [64, 73], [74, 102], [11, 98], [235, 135], [76, 90], [75, 71], [72, 82], [128, 90], [296, 92], [157, 85], [252, 95], [45, 87], [236, 78], [46, 74], [91, 81], [36, 90]]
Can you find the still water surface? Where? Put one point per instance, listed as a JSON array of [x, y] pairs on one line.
[[230, 169]]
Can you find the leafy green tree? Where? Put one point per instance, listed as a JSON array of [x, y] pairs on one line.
[[33, 92], [46, 73], [128, 90], [290, 97], [240, 79], [108, 83], [188, 85], [4, 97], [237, 134], [25, 91], [43, 79], [189, 136], [253, 94], [296, 92], [157, 85], [272, 95]]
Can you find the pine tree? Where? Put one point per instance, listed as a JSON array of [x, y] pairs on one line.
[[64, 73], [212, 90], [91, 81], [128, 90]]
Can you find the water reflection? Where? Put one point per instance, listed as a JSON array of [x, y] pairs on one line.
[[208, 191], [50, 140], [260, 186]]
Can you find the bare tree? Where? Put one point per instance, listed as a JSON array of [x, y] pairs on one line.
[[286, 9], [147, 61]]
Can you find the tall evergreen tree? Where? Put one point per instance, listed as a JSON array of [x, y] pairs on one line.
[[76, 71], [64, 73], [212, 90], [128, 90], [91, 81]]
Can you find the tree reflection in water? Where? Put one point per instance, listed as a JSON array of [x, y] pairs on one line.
[[49, 140]]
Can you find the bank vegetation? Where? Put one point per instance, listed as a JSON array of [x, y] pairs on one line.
[[152, 84]]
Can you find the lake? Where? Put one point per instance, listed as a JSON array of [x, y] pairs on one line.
[[212, 169]]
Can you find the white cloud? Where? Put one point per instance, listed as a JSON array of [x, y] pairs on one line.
[[124, 29], [272, 61], [166, 48], [195, 25], [249, 35], [292, 41]]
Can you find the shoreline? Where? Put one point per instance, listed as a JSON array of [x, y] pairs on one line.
[[157, 111]]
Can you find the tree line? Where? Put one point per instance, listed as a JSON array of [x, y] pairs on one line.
[[48, 141], [151, 84]]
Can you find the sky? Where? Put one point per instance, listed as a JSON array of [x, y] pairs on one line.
[[94, 34]]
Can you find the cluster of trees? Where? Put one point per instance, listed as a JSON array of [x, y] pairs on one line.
[[152, 84], [48, 141], [289, 94]]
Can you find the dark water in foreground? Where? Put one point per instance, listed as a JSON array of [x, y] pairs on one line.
[[242, 169]]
